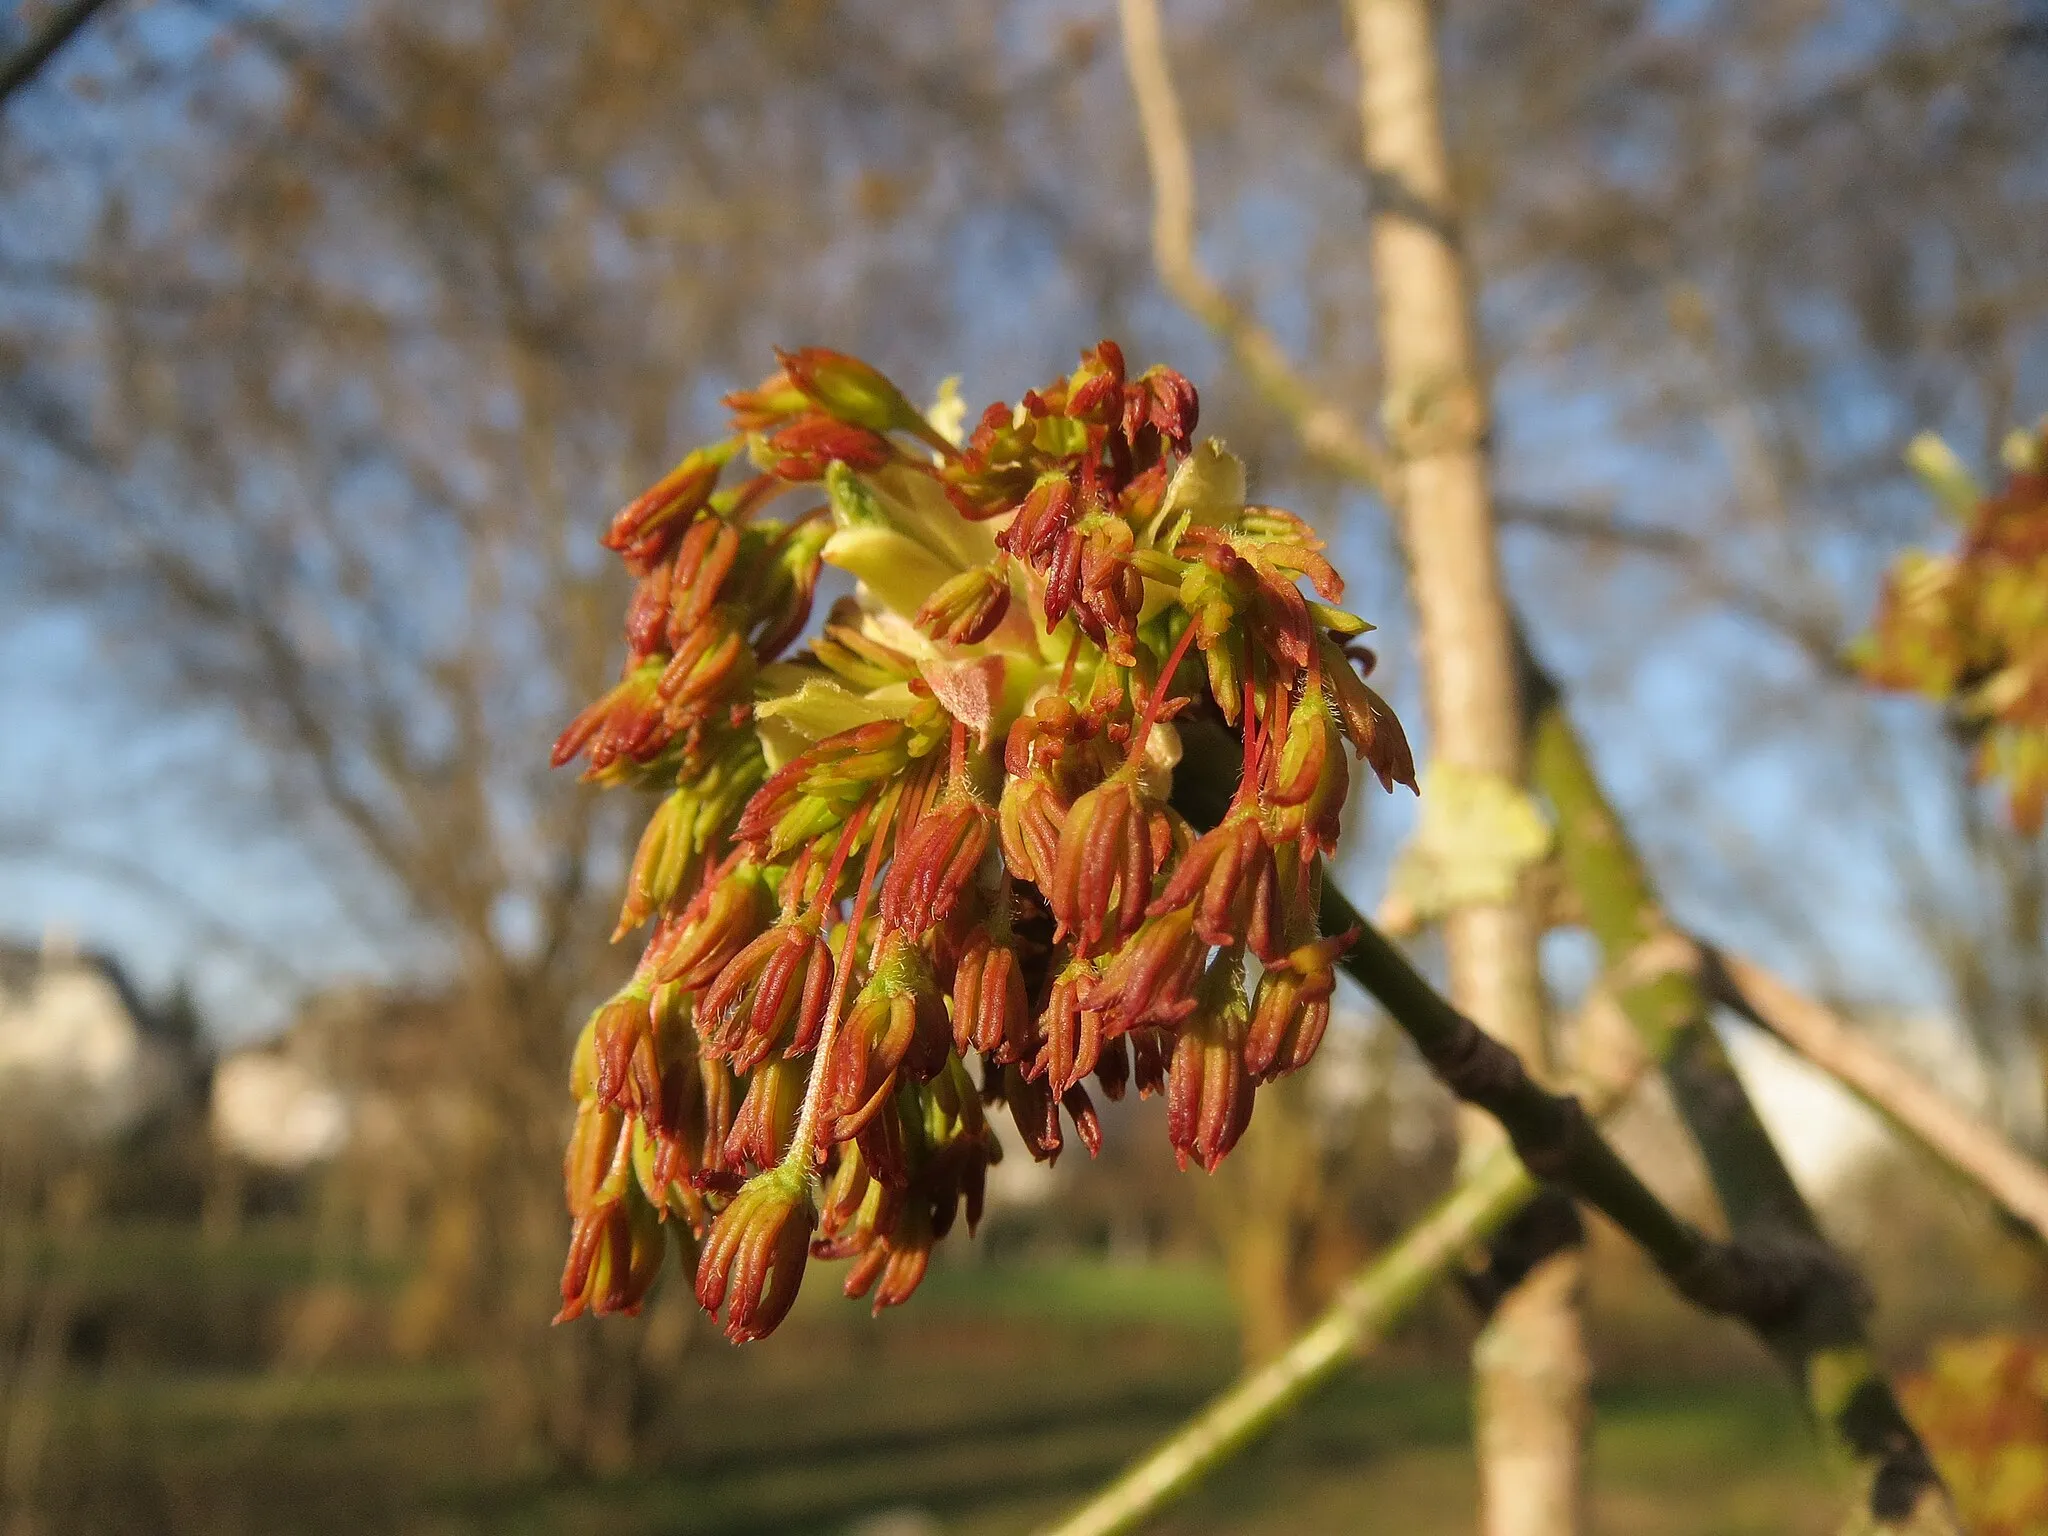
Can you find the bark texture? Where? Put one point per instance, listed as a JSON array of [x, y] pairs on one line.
[[1530, 1363]]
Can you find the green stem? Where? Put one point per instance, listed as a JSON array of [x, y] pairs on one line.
[[1821, 1340], [1553, 1135], [1368, 1305]]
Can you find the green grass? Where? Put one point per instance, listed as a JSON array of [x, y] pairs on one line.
[[999, 1397]]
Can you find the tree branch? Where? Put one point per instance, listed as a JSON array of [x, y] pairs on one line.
[[1557, 1141], [1817, 640], [1326, 430], [1958, 1138], [1368, 1305], [1819, 1336], [1780, 1285], [27, 61], [1364, 1310]]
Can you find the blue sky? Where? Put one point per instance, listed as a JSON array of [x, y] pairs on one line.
[[169, 879]]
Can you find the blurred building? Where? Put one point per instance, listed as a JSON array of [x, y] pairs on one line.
[[277, 1112], [84, 1057], [359, 1087]]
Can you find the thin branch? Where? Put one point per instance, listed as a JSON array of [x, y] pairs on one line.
[[139, 878], [1782, 1287], [27, 61], [1326, 430], [1960, 1139], [1368, 1305], [1556, 1139], [1816, 640], [1360, 1316], [1820, 1339]]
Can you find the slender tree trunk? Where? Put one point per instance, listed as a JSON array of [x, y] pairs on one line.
[[1530, 1363], [1262, 1206]]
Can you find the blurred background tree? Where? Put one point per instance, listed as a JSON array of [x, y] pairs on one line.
[[330, 334]]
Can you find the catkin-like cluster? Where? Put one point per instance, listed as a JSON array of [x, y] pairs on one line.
[[942, 832], [1970, 629]]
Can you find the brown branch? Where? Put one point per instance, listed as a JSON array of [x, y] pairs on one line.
[[27, 61], [1816, 640], [1823, 1343], [1326, 430], [1960, 1139], [1486, 1200], [35, 844], [1760, 1284]]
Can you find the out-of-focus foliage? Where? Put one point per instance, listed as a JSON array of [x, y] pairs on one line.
[[1982, 1406], [1970, 629]]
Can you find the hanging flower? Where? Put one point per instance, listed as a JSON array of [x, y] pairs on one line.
[[945, 829], [1970, 629]]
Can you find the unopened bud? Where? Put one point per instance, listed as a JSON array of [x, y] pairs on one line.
[[967, 608], [762, 1129], [1208, 1091], [615, 1253], [935, 863], [991, 1013], [645, 526], [897, 1024], [1154, 977], [753, 1262], [851, 390], [1292, 1008], [809, 446], [1102, 876], [773, 994]]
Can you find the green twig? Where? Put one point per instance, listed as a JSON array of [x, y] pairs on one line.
[[1820, 1338], [1363, 1311], [1554, 1137]]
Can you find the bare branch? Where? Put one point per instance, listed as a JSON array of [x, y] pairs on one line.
[[1326, 430], [1817, 640], [34, 845], [27, 61], [1960, 1139], [1363, 1312]]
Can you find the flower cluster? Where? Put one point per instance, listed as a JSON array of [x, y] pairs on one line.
[[1970, 629], [1982, 1404], [943, 832]]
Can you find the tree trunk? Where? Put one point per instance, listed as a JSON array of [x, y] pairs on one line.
[[1530, 1364], [1263, 1204]]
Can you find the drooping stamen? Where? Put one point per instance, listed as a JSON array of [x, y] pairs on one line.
[[1158, 699], [802, 1152], [840, 854], [1067, 671]]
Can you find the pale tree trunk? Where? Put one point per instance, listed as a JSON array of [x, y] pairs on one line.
[[1530, 1363], [1263, 1205]]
